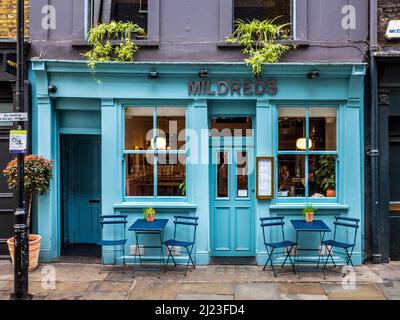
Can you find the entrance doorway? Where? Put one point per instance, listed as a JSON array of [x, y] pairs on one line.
[[81, 194], [232, 201]]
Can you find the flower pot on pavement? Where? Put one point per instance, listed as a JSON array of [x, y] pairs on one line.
[[34, 249]]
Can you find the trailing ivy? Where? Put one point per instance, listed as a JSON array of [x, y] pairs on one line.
[[259, 41], [101, 37]]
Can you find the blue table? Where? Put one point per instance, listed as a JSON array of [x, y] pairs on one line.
[[315, 226], [142, 227]]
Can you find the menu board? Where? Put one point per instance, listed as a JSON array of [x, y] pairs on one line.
[[265, 178]]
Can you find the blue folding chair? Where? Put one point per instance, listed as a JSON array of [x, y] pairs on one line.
[[350, 224], [270, 222], [188, 245], [119, 220]]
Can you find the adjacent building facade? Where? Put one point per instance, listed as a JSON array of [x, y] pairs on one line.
[[7, 81], [131, 135]]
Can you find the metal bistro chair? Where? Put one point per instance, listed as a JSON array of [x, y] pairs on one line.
[[189, 221], [272, 246], [113, 220], [350, 223]]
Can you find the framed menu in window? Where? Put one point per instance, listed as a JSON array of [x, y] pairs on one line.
[[265, 178]]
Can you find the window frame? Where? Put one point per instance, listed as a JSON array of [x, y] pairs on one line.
[[155, 196], [153, 20], [293, 18], [307, 153]]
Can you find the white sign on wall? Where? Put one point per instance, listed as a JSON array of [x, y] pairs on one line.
[[393, 30]]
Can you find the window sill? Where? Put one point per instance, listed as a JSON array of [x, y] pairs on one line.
[[300, 43], [299, 206], [140, 43], [156, 205]]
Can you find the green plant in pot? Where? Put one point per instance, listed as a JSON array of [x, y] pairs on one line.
[[259, 41], [326, 174], [149, 214], [309, 212], [182, 188], [37, 177]]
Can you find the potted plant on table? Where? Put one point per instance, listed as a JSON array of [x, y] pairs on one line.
[[37, 177], [309, 212], [149, 214]]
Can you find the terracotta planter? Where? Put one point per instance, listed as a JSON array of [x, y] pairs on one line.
[[331, 193], [34, 248], [309, 217], [150, 218]]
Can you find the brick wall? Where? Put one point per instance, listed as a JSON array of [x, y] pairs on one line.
[[387, 10], [8, 18]]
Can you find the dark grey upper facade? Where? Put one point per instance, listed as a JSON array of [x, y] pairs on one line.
[[192, 30]]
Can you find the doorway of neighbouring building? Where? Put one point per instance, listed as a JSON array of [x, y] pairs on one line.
[[81, 195], [394, 169]]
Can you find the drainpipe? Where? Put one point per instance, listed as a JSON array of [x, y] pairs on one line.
[[374, 151]]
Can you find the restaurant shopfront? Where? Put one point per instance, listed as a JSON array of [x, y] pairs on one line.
[[185, 139]]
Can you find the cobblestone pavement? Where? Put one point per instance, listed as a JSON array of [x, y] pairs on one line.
[[77, 281]]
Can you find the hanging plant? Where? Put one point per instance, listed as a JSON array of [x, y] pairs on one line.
[[101, 37], [259, 41]]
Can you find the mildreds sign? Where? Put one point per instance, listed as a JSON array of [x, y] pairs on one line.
[[223, 87]]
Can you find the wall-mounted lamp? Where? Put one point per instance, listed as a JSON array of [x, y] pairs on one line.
[[203, 73], [313, 75], [152, 75], [52, 88]]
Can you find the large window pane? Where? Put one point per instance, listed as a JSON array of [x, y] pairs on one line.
[[292, 127], [322, 176], [171, 173], [323, 128], [264, 9], [291, 173], [138, 128], [171, 124], [139, 175]]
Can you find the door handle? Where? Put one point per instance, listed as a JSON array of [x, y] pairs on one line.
[[94, 201]]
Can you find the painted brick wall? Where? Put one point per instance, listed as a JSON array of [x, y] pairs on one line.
[[8, 18], [388, 10]]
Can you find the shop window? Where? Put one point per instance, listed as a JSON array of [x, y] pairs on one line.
[[155, 151], [307, 152], [264, 10], [104, 11]]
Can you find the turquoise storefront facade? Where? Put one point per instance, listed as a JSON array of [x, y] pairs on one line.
[[92, 104]]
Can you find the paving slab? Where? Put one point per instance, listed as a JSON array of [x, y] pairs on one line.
[[256, 291], [6, 285], [306, 289], [302, 297], [87, 296], [359, 292], [109, 286], [154, 289], [190, 296], [40, 288], [207, 288], [391, 289], [387, 271]]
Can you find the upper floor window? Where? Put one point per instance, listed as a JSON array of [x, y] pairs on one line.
[[264, 10], [104, 11]]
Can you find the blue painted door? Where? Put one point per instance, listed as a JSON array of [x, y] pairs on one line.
[[86, 189], [232, 201]]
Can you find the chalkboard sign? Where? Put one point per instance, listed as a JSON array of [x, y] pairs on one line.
[[265, 178]]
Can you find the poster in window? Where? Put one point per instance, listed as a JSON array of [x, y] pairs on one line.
[[265, 178]]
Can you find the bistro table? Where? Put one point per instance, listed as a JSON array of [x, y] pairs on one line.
[[142, 227], [315, 226]]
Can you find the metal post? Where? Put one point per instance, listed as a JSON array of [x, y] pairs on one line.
[[21, 251]]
